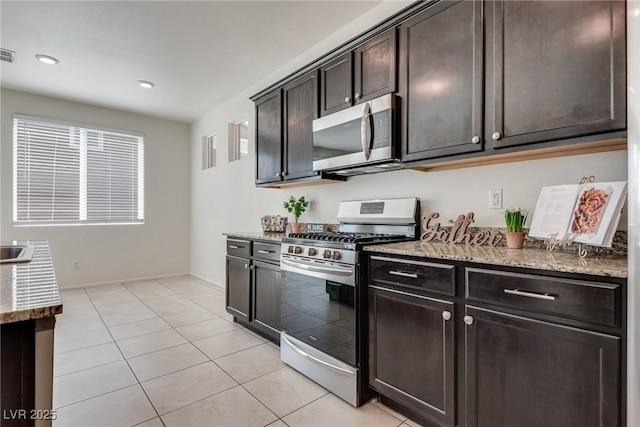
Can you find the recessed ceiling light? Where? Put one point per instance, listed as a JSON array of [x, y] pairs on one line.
[[47, 59], [145, 84]]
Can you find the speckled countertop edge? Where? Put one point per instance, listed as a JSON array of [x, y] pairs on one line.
[[538, 259], [257, 235], [29, 290]]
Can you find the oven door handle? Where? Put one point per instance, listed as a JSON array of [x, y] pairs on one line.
[[318, 269], [315, 359]]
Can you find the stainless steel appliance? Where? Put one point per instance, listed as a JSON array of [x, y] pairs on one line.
[[357, 140], [322, 334]]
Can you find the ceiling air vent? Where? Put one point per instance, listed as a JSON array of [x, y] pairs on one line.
[[7, 55]]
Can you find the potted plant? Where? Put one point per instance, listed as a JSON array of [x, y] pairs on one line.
[[297, 208], [515, 219]]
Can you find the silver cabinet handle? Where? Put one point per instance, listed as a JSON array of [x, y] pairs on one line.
[[468, 320], [347, 99], [496, 136], [266, 252], [366, 145], [475, 139], [357, 95], [278, 175], [403, 274], [235, 247], [246, 266], [446, 315], [529, 294]]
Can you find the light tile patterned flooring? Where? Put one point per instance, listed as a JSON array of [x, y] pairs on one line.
[[165, 352]]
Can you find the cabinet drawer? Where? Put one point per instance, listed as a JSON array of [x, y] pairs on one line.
[[415, 274], [592, 302], [238, 247], [267, 251]]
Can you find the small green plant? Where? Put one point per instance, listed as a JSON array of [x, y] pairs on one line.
[[515, 219], [296, 206]]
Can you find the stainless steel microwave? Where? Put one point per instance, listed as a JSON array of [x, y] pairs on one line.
[[357, 140]]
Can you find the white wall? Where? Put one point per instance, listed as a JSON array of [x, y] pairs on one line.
[[224, 199], [108, 253]]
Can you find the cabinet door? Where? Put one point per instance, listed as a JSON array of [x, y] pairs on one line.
[[266, 298], [269, 138], [300, 108], [411, 351], [528, 373], [238, 287], [375, 67], [442, 81], [556, 70], [336, 85]]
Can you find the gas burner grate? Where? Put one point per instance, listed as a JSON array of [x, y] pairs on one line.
[[344, 237]]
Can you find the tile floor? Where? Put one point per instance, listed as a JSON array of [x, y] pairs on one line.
[[165, 352]]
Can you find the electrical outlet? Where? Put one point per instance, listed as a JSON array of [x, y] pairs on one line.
[[75, 265], [495, 199]]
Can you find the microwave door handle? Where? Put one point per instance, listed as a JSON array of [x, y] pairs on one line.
[[366, 145]]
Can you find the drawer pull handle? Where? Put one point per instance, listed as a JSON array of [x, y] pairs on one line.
[[403, 274], [529, 294], [235, 247], [261, 251]]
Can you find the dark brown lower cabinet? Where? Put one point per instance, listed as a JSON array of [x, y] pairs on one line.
[[411, 351], [266, 297], [529, 373], [238, 287]]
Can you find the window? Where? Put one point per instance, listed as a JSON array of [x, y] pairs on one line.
[[69, 174], [238, 140], [209, 144]]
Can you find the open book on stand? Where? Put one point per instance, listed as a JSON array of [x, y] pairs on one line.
[[586, 213]]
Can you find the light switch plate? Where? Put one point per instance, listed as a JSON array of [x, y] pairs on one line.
[[495, 199]]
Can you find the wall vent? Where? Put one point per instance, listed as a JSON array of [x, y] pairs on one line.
[[7, 55]]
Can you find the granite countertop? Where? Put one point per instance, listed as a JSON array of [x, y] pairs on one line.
[[258, 235], [29, 290], [539, 259]]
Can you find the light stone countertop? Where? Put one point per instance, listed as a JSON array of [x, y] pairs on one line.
[[29, 290], [539, 259], [257, 235]]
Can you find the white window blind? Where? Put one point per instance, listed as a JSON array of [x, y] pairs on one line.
[[69, 174]]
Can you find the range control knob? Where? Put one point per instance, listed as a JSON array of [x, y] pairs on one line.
[[297, 250], [336, 255], [312, 252], [290, 249], [326, 254]]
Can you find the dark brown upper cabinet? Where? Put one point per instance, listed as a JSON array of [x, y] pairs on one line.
[[345, 81], [269, 138], [556, 70], [336, 84], [375, 67], [441, 81], [300, 108]]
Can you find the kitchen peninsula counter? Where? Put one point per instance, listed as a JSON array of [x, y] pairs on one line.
[[533, 258], [29, 290]]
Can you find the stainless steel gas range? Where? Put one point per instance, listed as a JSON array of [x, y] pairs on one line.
[[322, 324]]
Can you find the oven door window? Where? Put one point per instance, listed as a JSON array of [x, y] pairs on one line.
[[321, 313]]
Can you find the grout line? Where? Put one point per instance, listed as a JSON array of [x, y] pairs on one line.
[[98, 395], [131, 369]]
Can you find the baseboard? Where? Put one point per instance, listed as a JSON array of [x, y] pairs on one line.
[[208, 281], [139, 279]]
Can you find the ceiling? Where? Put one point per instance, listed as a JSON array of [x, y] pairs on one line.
[[198, 53]]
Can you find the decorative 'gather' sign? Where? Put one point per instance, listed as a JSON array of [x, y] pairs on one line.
[[458, 233]]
